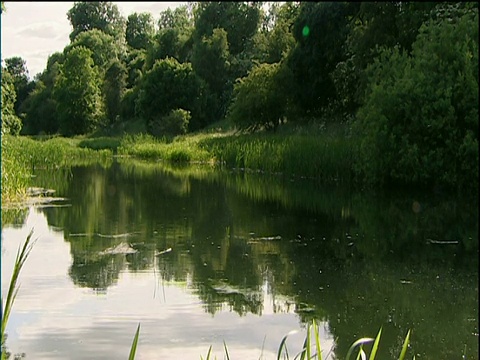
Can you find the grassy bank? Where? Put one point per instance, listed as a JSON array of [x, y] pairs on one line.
[[316, 155], [21, 155]]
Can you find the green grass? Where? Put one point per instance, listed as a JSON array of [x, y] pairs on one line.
[[318, 155], [312, 350], [21, 155], [183, 149]]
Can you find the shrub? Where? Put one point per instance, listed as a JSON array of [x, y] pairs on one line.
[[419, 122], [175, 123]]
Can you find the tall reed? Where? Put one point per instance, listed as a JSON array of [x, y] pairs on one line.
[[22, 255]]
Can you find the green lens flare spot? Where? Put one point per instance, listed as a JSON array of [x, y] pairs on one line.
[[306, 31]]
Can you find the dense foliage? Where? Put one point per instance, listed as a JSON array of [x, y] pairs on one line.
[[419, 122], [403, 76]]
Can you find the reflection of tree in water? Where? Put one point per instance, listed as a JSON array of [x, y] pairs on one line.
[[341, 256], [97, 274]]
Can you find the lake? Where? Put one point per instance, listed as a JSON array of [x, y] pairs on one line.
[[202, 256]]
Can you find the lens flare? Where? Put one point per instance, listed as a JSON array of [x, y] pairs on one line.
[[306, 30]]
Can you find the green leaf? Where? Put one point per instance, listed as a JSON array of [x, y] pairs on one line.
[[317, 340], [375, 345], [357, 343], [133, 349], [405, 346]]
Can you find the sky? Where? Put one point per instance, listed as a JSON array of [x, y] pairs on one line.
[[34, 30]]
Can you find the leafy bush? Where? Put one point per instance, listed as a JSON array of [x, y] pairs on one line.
[[167, 86], [259, 100], [419, 122], [175, 123]]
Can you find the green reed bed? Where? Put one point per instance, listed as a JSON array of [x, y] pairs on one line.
[[101, 143], [15, 171], [180, 149], [21, 155], [320, 157]]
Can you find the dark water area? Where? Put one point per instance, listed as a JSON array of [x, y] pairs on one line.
[[199, 256]]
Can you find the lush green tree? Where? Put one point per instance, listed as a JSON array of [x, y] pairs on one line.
[[280, 38], [77, 92], [40, 106], [320, 31], [11, 123], [173, 38], [419, 122], [166, 44], [140, 30], [102, 45], [210, 60], [239, 19], [375, 26], [170, 85], [17, 67], [135, 63], [259, 101], [40, 111], [128, 104], [114, 86], [179, 18], [101, 15]]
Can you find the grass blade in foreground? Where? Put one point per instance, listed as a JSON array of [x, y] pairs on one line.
[[317, 340], [208, 354], [283, 344], [375, 345], [133, 349], [226, 350], [22, 255], [355, 344], [405, 346]]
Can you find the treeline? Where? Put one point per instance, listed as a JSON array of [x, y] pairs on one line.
[[402, 75]]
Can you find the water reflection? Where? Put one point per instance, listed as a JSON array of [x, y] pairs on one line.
[[263, 255]]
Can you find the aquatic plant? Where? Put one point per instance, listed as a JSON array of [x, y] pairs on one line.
[[21, 155], [22, 255]]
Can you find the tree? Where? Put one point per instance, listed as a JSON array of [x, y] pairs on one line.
[[135, 62], [419, 122], [239, 19], [11, 123], [211, 60], [179, 18], [140, 30], [173, 38], [258, 99], [40, 106], [77, 91], [101, 15], [102, 45], [280, 38], [170, 85], [113, 88], [17, 67], [320, 31]]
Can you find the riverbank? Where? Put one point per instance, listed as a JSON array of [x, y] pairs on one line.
[[328, 155]]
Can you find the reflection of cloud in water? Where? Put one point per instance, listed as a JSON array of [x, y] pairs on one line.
[[52, 318]]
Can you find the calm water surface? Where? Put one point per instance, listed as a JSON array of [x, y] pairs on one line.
[[199, 257]]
